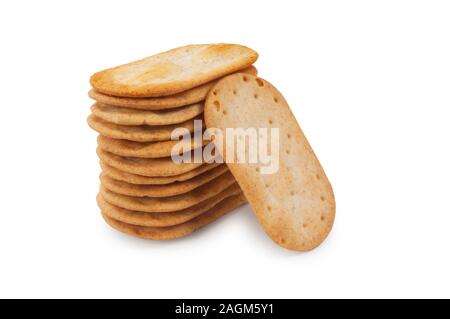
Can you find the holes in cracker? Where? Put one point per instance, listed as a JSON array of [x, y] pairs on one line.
[[289, 136], [269, 208], [288, 152], [270, 122], [224, 112], [322, 218], [305, 225], [255, 96], [267, 185], [217, 105], [317, 176], [234, 92], [292, 193], [283, 241], [214, 92], [322, 198], [275, 99], [257, 169], [259, 82], [245, 78]]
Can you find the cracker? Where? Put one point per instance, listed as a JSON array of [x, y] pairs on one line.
[[155, 180], [190, 96], [144, 150], [173, 71], [138, 133], [296, 205], [146, 166], [172, 189], [173, 203], [125, 116], [164, 219], [177, 231]]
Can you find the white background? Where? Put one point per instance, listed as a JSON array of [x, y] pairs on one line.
[[369, 82]]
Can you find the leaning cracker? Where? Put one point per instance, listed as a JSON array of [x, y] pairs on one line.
[[177, 231], [145, 150], [155, 180], [190, 96], [164, 219], [172, 189], [168, 204], [173, 71], [296, 205], [125, 116], [138, 133], [146, 166]]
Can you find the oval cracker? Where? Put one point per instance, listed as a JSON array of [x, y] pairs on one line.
[[295, 205], [173, 71]]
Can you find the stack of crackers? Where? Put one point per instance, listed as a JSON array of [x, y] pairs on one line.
[[146, 193], [137, 107]]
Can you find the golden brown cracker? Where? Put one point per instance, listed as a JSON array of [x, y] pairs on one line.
[[181, 230], [126, 116], [173, 71], [295, 205], [155, 180], [172, 203], [164, 219], [164, 166], [146, 149], [190, 96], [139, 133], [172, 189]]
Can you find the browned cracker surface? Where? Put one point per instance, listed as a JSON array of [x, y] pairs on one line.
[[172, 203], [145, 149], [126, 116], [173, 71], [155, 180], [296, 205], [163, 219], [138, 133], [171, 189], [190, 96], [164, 166], [181, 230]]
